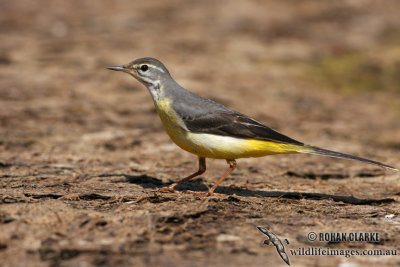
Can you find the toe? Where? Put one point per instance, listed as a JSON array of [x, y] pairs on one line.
[[167, 189]]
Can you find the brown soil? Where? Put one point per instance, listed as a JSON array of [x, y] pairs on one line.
[[83, 153]]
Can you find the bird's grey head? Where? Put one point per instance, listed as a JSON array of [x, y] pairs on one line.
[[148, 71]]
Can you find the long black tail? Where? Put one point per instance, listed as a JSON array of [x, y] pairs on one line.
[[329, 153]]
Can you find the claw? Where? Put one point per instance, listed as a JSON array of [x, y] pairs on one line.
[[202, 194], [168, 189]]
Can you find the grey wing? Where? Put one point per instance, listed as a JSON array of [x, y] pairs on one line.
[[207, 116]]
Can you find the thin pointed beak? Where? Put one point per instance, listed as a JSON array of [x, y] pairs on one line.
[[117, 68]]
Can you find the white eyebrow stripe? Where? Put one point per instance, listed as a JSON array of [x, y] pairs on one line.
[[160, 69]]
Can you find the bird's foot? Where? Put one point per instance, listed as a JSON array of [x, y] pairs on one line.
[[171, 189], [202, 193], [168, 189]]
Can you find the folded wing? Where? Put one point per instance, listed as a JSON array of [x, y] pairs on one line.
[[230, 123]]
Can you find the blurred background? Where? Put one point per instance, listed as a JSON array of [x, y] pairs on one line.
[[280, 61], [322, 72]]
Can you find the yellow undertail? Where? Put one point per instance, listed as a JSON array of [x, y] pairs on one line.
[[217, 146]]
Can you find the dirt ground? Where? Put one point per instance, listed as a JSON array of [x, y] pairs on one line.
[[83, 153]]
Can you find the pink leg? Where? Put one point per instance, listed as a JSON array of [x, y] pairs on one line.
[[202, 169], [232, 165]]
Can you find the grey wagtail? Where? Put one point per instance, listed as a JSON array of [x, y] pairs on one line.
[[211, 130]]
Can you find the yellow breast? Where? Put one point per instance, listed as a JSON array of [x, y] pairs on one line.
[[216, 146]]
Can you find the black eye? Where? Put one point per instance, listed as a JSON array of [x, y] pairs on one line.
[[144, 67]]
